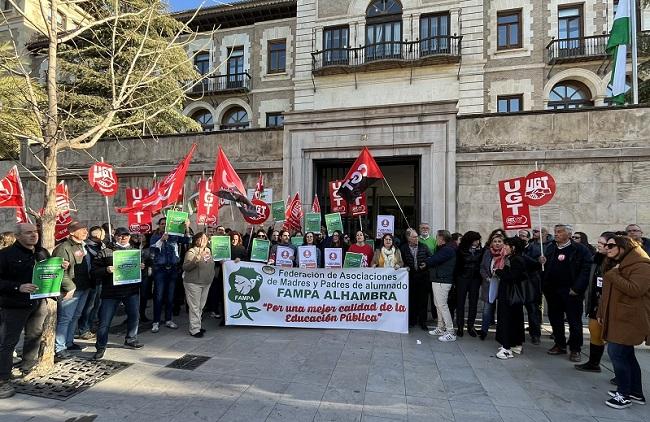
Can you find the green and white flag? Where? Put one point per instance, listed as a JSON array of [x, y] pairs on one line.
[[619, 38]]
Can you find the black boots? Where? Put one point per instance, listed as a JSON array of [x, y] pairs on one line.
[[593, 364]]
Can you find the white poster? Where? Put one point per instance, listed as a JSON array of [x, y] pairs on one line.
[[307, 256], [333, 257], [385, 224], [284, 256], [267, 194], [350, 298]]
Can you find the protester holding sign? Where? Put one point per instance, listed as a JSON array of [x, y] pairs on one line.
[[104, 270], [17, 310], [284, 241], [360, 246], [165, 252], [237, 249], [199, 273], [309, 239], [388, 256]]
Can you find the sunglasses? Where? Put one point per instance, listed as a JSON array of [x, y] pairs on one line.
[[262, 236], [576, 237], [610, 245]]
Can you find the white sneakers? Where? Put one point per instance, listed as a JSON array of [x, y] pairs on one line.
[[448, 336], [437, 332], [155, 327], [517, 349], [504, 354], [171, 324]]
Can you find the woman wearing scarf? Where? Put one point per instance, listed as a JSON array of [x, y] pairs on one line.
[[388, 256], [493, 259]]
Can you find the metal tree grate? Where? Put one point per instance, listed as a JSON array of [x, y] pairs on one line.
[[70, 377], [189, 362]]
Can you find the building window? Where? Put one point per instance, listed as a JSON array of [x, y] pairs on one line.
[[235, 118], [235, 68], [569, 94], [277, 51], [383, 30], [274, 120], [204, 118], [335, 45], [5, 5], [509, 29], [510, 103], [434, 34], [202, 62]]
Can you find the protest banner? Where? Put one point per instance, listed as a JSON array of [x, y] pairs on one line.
[[277, 211], [47, 275], [312, 222], [514, 211], [260, 250], [126, 267], [359, 206], [337, 203], [333, 222], [103, 179], [352, 298], [333, 257], [385, 224], [540, 188], [220, 248], [176, 222], [307, 256], [284, 256], [139, 220], [207, 204], [353, 260], [262, 212]]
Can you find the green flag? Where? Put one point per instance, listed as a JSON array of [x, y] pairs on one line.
[[619, 38]]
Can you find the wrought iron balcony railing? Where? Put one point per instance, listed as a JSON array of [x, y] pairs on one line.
[[223, 83], [576, 49]]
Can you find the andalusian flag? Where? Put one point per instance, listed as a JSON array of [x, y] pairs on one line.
[[619, 38]]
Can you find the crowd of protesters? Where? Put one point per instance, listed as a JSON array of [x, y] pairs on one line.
[[449, 274]]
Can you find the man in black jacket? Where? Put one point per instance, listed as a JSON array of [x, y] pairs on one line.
[[17, 311], [415, 255], [112, 295], [635, 232], [565, 279]]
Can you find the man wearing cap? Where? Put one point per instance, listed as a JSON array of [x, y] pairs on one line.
[[17, 310], [75, 288], [112, 295]]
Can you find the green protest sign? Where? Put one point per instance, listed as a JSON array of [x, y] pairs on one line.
[[312, 222], [220, 247], [297, 240], [353, 260], [126, 267], [260, 250], [277, 210], [175, 223], [47, 275], [333, 222]]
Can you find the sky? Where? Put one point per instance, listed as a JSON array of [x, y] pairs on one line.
[[177, 5]]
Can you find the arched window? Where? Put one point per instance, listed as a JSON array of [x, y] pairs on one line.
[[204, 118], [608, 93], [235, 118], [569, 94], [383, 30]]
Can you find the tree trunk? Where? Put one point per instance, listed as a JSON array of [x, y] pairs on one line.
[[46, 350]]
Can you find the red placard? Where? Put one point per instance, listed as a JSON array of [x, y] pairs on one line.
[[103, 179], [359, 206], [540, 188], [263, 212], [139, 220], [337, 203], [514, 211], [207, 210]]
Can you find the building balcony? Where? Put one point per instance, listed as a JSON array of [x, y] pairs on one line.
[[387, 55], [221, 84], [571, 50]]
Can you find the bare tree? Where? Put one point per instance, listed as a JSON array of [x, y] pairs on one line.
[[134, 67]]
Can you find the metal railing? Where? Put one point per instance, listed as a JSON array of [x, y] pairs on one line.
[[219, 83], [404, 51], [576, 49]]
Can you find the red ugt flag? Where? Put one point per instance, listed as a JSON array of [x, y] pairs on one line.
[[294, 214], [226, 184], [207, 210], [363, 173], [315, 206], [514, 210], [63, 217], [11, 190]]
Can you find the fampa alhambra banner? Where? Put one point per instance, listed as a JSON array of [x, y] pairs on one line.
[[343, 298]]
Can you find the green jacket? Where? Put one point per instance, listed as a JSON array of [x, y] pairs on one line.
[[77, 276]]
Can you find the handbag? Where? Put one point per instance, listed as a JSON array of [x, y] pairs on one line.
[[515, 294]]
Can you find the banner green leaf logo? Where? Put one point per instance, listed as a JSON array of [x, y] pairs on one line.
[[245, 288]]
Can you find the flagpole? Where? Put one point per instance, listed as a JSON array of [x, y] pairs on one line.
[[635, 60], [108, 214], [539, 219], [397, 202], [360, 224]]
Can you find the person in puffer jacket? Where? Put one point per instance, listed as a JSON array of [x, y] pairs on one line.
[[199, 273]]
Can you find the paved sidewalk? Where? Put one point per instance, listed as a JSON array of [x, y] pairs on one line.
[[272, 374]]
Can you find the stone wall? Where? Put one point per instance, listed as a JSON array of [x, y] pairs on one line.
[[600, 159], [137, 160]]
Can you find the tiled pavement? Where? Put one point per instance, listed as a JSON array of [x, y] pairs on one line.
[[294, 375]]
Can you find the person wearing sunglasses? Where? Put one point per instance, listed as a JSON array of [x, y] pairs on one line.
[[624, 313], [565, 279], [582, 238], [592, 298]]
